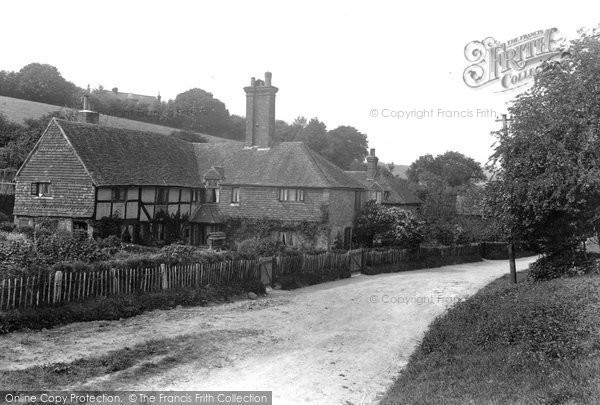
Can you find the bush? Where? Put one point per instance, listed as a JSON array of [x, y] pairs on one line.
[[107, 226], [564, 264], [26, 230], [4, 217], [7, 226], [262, 247]]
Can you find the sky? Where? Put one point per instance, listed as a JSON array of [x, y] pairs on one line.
[[367, 64]]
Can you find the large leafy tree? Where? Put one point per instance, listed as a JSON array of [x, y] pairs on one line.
[[547, 165], [44, 83], [438, 181], [453, 168], [341, 146], [199, 111], [345, 144]]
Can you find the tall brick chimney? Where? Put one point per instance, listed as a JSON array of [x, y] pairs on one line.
[[372, 161], [260, 112], [87, 115]]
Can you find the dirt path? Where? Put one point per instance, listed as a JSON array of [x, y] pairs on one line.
[[336, 343]]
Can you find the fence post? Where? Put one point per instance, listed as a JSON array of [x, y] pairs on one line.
[[362, 260], [57, 286], [2, 293], [165, 279]]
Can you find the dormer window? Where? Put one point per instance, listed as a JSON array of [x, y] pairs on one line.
[[376, 196], [41, 189], [212, 195], [235, 195]]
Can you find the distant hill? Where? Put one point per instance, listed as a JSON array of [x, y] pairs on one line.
[[400, 171], [17, 110]]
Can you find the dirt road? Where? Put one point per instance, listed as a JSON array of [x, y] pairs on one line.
[[336, 343]]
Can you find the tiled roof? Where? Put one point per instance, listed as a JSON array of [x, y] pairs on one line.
[[126, 157], [290, 164], [115, 156], [399, 191]]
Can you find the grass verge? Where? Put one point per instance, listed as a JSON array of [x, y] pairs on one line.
[[533, 343]]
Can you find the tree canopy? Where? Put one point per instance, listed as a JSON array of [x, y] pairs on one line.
[[547, 165], [42, 83]]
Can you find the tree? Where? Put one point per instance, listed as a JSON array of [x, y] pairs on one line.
[[199, 111], [17, 141], [8, 84], [437, 181], [345, 144], [44, 83], [314, 135], [547, 165], [454, 168]]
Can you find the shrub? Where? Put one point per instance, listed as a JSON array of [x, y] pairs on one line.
[[563, 264], [260, 247], [380, 225], [7, 226], [107, 226], [26, 230], [4, 217]]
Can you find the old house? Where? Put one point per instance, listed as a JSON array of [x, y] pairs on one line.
[[385, 189], [81, 172]]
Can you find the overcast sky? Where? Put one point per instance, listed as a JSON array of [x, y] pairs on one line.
[[333, 60]]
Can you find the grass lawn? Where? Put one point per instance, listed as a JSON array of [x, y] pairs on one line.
[[524, 344]]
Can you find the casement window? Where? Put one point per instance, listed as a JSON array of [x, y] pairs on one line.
[[291, 194], [119, 194], [235, 195], [41, 189], [197, 195], [162, 195], [376, 195], [212, 195], [357, 200], [386, 196]]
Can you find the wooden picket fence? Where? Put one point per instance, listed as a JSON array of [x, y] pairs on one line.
[[394, 259], [331, 262], [58, 287]]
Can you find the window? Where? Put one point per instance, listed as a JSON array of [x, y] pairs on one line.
[[357, 200], [375, 195], [119, 194], [235, 195], [386, 196], [291, 194], [212, 195], [40, 189], [162, 195], [197, 195]]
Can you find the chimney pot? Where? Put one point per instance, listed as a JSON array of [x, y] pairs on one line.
[[372, 152], [268, 76], [252, 81]]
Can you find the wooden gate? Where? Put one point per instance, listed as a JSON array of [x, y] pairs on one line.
[[266, 270]]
